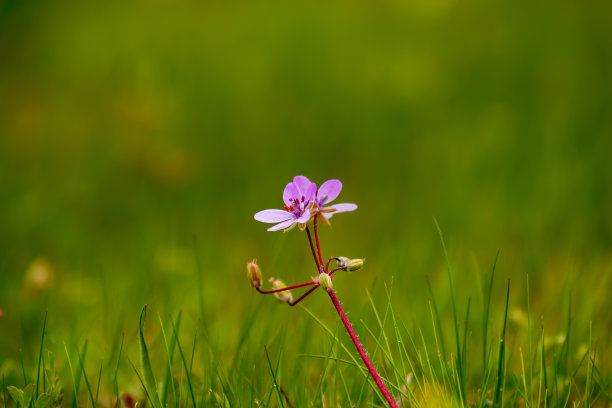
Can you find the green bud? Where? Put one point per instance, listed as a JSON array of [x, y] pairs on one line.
[[326, 281], [254, 274], [350, 265], [285, 296]]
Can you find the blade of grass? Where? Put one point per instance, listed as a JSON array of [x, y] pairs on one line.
[[74, 396], [116, 384], [187, 373], [485, 320], [99, 378], [40, 354], [145, 362], [82, 367], [79, 372], [500, 362], [529, 393], [452, 292], [437, 315], [275, 385], [170, 356], [144, 387]]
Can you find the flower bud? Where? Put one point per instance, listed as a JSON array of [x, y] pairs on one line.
[[285, 296], [350, 265], [326, 281], [254, 274]]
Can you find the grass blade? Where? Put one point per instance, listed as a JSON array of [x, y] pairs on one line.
[[145, 362], [40, 354], [500, 362]]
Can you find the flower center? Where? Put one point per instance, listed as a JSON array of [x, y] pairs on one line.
[[296, 207]]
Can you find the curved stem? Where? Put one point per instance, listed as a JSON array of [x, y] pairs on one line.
[[361, 351], [328, 261], [265, 292]]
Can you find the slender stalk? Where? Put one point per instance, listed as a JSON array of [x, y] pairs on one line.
[[312, 248], [328, 261], [335, 270], [360, 350], [265, 292], [317, 240], [302, 297]]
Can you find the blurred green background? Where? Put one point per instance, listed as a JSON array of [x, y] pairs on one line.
[[139, 138]]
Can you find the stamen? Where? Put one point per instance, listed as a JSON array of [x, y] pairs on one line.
[[291, 208], [297, 201], [286, 208]]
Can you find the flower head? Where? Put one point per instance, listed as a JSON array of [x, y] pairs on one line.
[[297, 197], [302, 202]]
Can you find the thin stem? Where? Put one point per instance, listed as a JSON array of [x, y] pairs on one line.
[[317, 240], [265, 292], [336, 270], [302, 297], [360, 350], [328, 261], [312, 248]]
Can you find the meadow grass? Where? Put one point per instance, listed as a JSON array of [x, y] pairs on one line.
[[489, 358]]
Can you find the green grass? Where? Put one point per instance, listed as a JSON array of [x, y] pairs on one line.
[[137, 140], [266, 370]]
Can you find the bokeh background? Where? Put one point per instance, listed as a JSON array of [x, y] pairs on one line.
[[137, 140]]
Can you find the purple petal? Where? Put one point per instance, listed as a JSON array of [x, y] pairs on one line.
[[339, 208], [291, 193], [271, 216], [302, 183], [282, 225], [329, 191], [310, 192], [304, 217]]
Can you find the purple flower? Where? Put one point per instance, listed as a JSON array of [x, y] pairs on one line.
[[328, 193], [302, 202], [297, 197]]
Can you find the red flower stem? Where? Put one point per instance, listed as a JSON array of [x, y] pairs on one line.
[[312, 248], [265, 292], [317, 240], [302, 297], [335, 270], [328, 261], [361, 351]]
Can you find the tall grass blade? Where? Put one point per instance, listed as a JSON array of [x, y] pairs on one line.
[[170, 354], [82, 368], [275, 384], [99, 379], [79, 371], [452, 292], [188, 374], [145, 363], [40, 354], [485, 320], [502, 345]]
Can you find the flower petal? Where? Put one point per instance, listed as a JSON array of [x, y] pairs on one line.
[[291, 193], [302, 183], [309, 195], [304, 217], [329, 191], [271, 216], [343, 207], [282, 225]]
